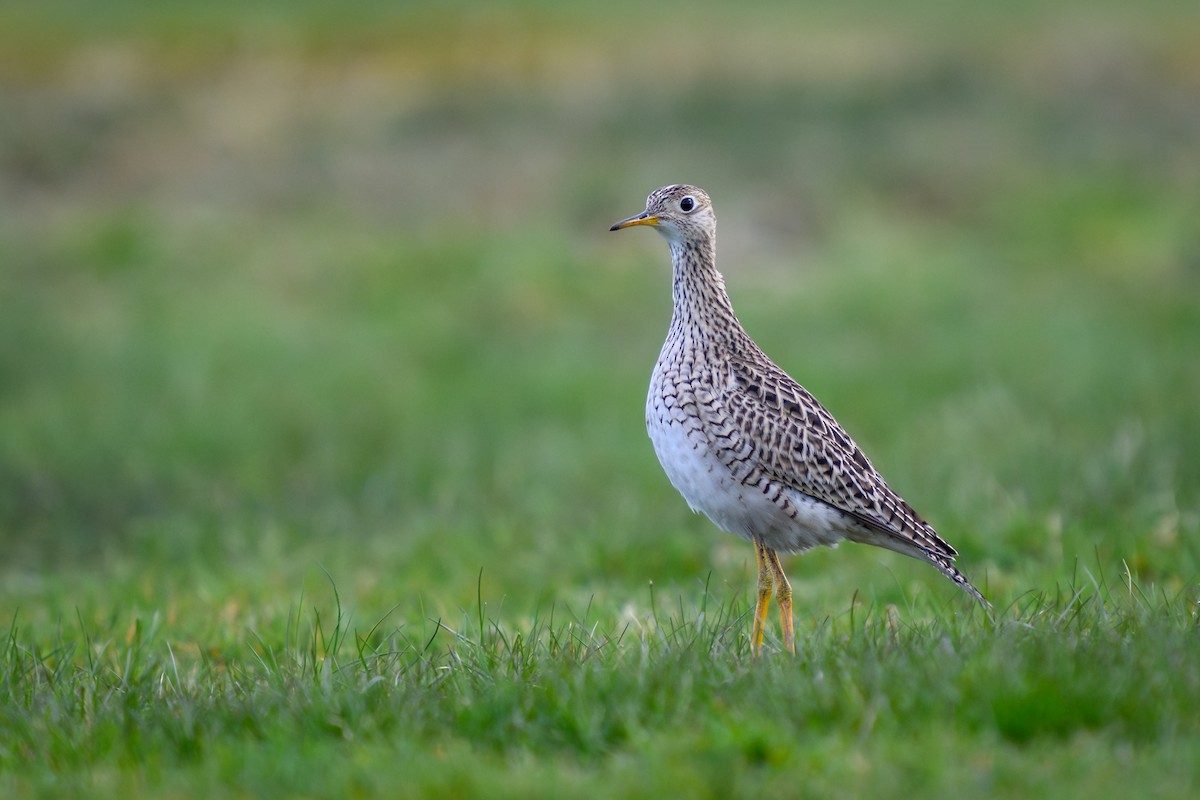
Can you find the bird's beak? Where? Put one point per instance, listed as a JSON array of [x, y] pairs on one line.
[[644, 218]]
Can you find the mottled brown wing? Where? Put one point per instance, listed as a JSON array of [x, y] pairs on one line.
[[798, 443]]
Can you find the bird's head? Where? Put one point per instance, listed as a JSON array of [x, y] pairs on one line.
[[679, 212]]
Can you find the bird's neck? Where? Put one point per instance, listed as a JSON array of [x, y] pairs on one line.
[[701, 303]]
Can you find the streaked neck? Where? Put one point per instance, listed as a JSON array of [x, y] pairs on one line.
[[698, 290]]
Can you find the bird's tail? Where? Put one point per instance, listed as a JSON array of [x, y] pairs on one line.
[[943, 559], [947, 568]]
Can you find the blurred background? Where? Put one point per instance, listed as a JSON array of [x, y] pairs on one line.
[[331, 284]]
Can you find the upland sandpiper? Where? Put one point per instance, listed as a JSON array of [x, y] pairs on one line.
[[749, 446]]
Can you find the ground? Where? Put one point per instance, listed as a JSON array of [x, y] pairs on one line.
[[322, 464]]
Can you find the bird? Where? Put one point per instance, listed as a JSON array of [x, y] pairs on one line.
[[746, 444]]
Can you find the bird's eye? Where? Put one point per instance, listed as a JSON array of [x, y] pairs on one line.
[[687, 204]]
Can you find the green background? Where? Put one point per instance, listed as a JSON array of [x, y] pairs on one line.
[[322, 462]]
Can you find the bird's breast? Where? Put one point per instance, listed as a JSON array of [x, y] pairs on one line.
[[681, 441], [711, 463]]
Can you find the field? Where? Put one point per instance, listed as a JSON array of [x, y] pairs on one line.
[[322, 463]]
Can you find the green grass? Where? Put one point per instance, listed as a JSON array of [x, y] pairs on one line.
[[312, 702], [322, 468]]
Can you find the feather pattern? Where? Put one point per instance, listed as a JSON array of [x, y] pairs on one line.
[[740, 439]]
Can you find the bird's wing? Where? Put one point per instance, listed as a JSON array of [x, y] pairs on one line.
[[798, 443]]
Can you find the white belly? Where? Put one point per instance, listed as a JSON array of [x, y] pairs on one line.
[[794, 524]]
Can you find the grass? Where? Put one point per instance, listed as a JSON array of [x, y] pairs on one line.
[[1056, 690], [322, 470]]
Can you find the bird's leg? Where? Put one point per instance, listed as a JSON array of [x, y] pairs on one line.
[[783, 591], [763, 555]]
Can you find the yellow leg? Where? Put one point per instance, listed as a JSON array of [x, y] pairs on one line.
[[763, 555], [783, 591]]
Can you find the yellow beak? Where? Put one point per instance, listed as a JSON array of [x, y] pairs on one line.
[[637, 219]]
